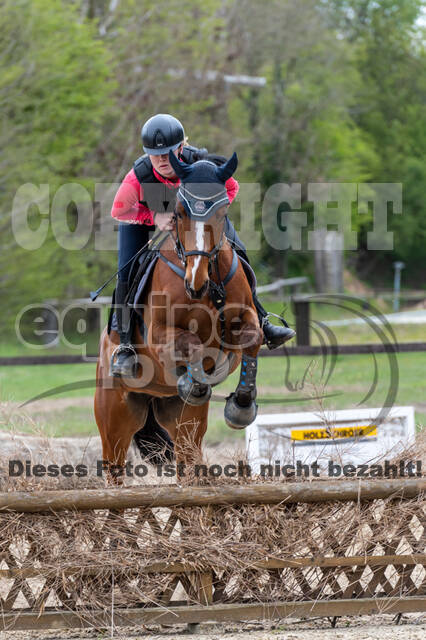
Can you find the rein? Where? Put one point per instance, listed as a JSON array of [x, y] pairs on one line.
[[183, 254], [217, 292]]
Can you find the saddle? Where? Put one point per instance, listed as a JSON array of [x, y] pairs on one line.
[[139, 276]]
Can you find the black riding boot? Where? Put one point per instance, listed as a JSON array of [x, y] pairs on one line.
[[124, 358], [273, 336]]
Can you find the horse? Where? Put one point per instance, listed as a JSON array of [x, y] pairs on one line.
[[201, 324]]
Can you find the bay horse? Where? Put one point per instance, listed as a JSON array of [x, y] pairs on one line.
[[201, 324]]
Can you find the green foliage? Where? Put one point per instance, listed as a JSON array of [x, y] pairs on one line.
[[300, 126], [344, 101], [390, 57], [55, 88], [54, 82]]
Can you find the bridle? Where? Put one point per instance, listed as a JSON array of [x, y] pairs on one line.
[[217, 292], [212, 255]]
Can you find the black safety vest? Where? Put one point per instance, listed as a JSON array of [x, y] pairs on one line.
[[157, 196]]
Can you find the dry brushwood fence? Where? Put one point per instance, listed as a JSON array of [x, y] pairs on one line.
[[241, 551]]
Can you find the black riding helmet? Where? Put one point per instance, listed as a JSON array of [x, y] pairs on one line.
[[162, 133]]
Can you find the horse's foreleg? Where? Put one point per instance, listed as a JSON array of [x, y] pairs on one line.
[[241, 408], [180, 345]]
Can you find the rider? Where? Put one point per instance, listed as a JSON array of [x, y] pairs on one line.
[[139, 209]]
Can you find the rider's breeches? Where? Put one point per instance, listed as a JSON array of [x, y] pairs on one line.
[[131, 238]]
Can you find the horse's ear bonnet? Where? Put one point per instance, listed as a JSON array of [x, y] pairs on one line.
[[203, 189]]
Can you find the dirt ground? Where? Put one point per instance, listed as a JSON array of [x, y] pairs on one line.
[[379, 627]]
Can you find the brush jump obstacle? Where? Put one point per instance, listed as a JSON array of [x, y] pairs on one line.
[[169, 554]]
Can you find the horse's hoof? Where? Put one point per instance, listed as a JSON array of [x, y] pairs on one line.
[[193, 393], [238, 417]]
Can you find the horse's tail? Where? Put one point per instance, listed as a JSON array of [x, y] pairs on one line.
[[154, 442]]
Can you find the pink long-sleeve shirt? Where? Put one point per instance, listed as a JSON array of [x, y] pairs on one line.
[[127, 207]]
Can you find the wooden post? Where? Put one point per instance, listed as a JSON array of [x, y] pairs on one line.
[[204, 583], [301, 312], [169, 496], [219, 613]]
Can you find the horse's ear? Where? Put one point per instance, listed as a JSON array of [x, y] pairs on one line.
[[182, 170], [226, 170]]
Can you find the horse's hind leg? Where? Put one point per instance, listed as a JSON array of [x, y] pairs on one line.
[[153, 441], [186, 424], [117, 424]]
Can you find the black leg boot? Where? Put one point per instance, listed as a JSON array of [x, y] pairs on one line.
[[273, 336], [124, 358]]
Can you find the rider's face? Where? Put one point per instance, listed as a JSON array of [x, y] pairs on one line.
[[162, 165]]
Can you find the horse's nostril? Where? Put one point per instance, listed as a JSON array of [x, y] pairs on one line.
[[203, 289], [196, 294]]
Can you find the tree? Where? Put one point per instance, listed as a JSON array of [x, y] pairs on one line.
[[300, 125], [55, 90], [391, 110]]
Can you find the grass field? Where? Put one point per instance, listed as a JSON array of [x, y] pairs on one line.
[[280, 388], [339, 309], [283, 385], [331, 308]]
